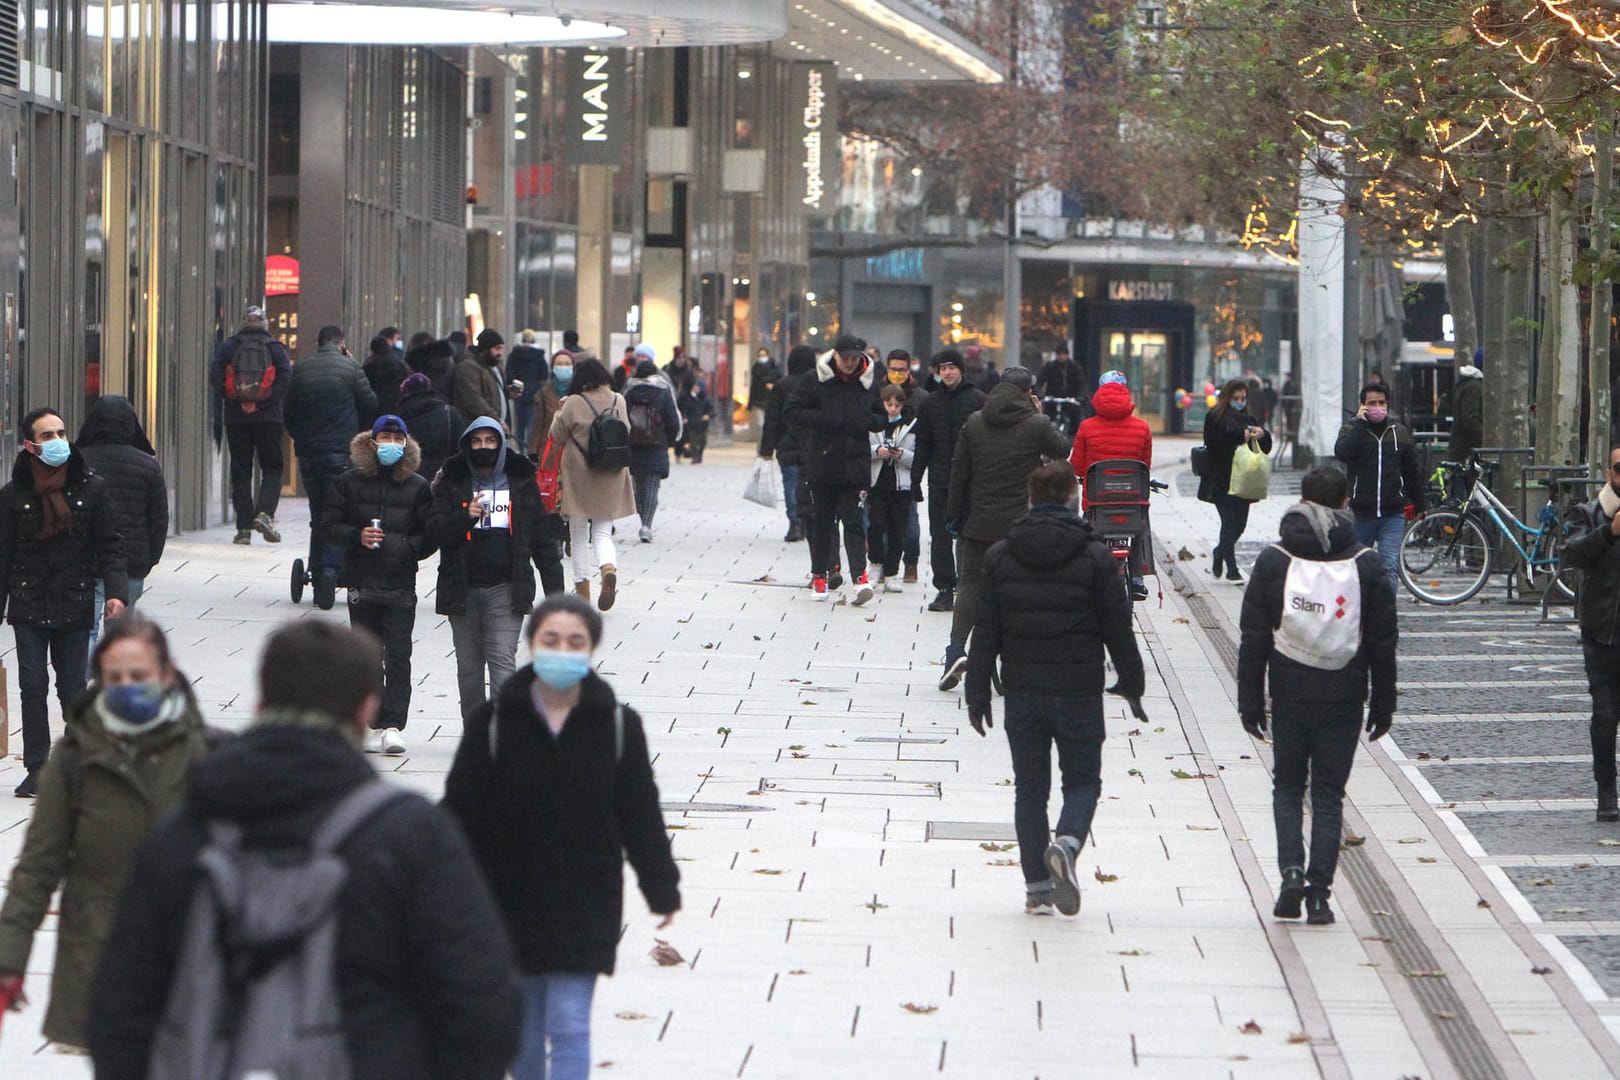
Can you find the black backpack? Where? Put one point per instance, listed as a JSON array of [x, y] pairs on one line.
[[607, 447], [250, 373], [646, 425]]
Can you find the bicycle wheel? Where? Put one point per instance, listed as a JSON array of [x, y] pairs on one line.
[[1445, 558]]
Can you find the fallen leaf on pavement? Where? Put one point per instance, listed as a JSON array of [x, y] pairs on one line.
[[1483, 902], [997, 847], [1182, 774], [1544, 881], [1201, 828], [1185, 556], [1427, 859], [1133, 952], [1410, 840], [1354, 841], [1609, 843], [1002, 862], [631, 1016], [773, 873], [764, 579], [1179, 619], [1251, 1028], [1105, 878], [665, 954], [1299, 1037], [1134, 772], [923, 1010], [801, 755], [1571, 911], [1541, 971]]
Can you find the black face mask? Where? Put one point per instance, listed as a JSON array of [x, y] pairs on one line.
[[483, 457]]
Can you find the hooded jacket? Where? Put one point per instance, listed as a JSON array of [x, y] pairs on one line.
[[384, 370], [1053, 599], [426, 983], [1591, 547], [551, 819], [435, 425], [51, 583], [83, 837], [117, 450], [654, 392], [436, 360], [329, 401], [1300, 684], [1467, 413], [835, 416], [450, 527], [270, 410], [1223, 434], [1382, 462], [941, 416], [1000, 446], [479, 389], [1112, 433], [779, 438], [399, 498]]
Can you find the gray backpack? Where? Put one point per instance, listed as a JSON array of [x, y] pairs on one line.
[[255, 995]]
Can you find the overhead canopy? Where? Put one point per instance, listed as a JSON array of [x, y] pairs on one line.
[[530, 22], [893, 40]]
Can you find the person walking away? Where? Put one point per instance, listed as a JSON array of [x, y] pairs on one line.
[[1292, 404], [1319, 617], [384, 370], [1113, 433], [425, 981], [432, 421], [898, 366], [655, 424], [378, 514], [941, 418], [834, 409], [1591, 548], [526, 370], [436, 360], [628, 362], [488, 524], [121, 763], [785, 442], [548, 401], [594, 496], [58, 533], [1381, 458], [1468, 409], [116, 448], [1051, 603], [328, 402], [697, 410], [1227, 427], [978, 370], [480, 389], [762, 379], [252, 372], [1000, 446], [553, 786], [894, 450]]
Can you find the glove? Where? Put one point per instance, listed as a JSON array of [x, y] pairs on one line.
[[1255, 725], [954, 527], [1133, 699], [1378, 725], [12, 998], [979, 716]]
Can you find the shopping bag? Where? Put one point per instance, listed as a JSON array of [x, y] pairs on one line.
[[764, 486], [1251, 472], [546, 476]]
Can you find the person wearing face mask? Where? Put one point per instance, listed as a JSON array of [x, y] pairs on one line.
[[762, 379], [1381, 459], [553, 786], [377, 515], [1227, 427], [121, 763], [58, 533], [548, 401]]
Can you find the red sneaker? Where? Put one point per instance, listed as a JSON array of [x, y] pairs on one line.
[[819, 587]]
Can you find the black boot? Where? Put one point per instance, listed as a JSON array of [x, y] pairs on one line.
[[794, 533], [1608, 809], [1220, 563], [1290, 894], [1317, 912], [945, 601]]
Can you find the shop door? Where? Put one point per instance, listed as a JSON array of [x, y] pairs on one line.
[[1147, 357]]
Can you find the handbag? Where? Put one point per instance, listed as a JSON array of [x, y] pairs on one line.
[[764, 487], [1251, 472], [547, 477], [1200, 461]]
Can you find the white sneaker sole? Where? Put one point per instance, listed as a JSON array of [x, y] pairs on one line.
[[1065, 889], [862, 595]]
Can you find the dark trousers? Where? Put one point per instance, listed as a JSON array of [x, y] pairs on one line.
[[1034, 722], [886, 538], [835, 505], [913, 534], [790, 491], [65, 650], [1317, 743], [552, 581], [968, 588], [697, 440], [646, 487], [246, 442], [1234, 519], [318, 473], [391, 624], [941, 549], [1603, 680]]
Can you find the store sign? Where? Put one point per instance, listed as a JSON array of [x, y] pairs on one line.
[[1140, 291], [816, 153], [280, 276], [596, 113]]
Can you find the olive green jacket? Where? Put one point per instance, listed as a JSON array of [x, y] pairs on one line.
[[85, 840]]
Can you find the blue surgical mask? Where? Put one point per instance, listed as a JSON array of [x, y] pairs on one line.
[[389, 454], [561, 670], [55, 453], [399, 346], [1240, 406], [137, 704], [563, 375]]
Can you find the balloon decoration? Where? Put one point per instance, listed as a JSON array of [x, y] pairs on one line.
[[1210, 400], [1184, 400], [1209, 388]]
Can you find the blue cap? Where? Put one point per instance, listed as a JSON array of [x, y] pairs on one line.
[[388, 422]]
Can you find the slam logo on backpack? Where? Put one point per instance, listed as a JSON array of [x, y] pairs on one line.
[[1321, 613]]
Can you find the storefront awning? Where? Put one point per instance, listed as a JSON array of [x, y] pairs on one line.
[[891, 40], [529, 22]]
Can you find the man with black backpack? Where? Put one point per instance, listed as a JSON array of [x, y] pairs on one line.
[[252, 372], [299, 917], [1318, 613]]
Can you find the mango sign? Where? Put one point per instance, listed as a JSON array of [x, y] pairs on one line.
[[281, 276]]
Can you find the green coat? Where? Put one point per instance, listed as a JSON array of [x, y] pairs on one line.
[[999, 447], [87, 846]]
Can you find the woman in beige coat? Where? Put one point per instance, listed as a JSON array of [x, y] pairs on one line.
[[592, 499]]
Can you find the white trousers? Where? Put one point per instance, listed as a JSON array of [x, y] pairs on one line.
[[590, 539]]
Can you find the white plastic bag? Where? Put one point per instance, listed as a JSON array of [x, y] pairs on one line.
[[764, 485]]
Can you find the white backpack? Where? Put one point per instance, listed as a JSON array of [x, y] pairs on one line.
[[1321, 612]]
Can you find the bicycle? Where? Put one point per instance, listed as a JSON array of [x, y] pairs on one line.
[[1064, 412], [1446, 556]]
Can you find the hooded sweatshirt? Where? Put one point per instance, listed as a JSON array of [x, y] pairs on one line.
[[1309, 531], [117, 450], [999, 447], [1382, 462], [1113, 433]]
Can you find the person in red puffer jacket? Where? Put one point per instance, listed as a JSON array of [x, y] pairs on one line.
[[1113, 432]]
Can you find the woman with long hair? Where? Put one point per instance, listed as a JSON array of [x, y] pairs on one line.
[[592, 499], [1227, 427]]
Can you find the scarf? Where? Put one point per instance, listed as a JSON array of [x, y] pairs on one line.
[[1320, 518], [1608, 500], [311, 719], [174, 707], [50, 485]]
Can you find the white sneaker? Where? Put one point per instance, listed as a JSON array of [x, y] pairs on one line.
[[374, 741], [392, 741], [646, 534], [1039, 904], [889, 585]]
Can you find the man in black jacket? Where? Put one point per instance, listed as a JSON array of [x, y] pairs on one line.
[[786, 442], [1593, 549], [253, 428], [1381, 457], [940, 418], [58, 532], [1320, 616], [424, 967], [834, 409], [377, 515], [1052, 600]]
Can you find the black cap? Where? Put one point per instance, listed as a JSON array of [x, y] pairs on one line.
[[848, 343], [488, 339], [947, 356]]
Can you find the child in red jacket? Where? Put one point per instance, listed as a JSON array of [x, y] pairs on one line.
[[1113, 432]]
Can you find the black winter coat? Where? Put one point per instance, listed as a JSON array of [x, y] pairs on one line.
[[425, 973], [1592, 548], [1382, 462], [117, 450], [1053, 599], [941, 417], [400, 499], [784, 440], [329, 401], [448, 531], [270, 410], [435, 425], [51, 583], [835, 416], [999, 447], [384, 372], [653, 460], [551, 819], [1301, 684], [1223, 434]]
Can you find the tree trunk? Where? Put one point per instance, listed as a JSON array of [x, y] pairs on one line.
[[1566, 433], [1493, 324], [1508, 389], [1597, 368], [1460, 291]]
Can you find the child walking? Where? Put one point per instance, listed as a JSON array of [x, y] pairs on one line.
[[891, 498]]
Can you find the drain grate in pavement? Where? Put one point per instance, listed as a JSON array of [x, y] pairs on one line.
[[712, 808], [971, 830], [855, 785], [898, 739]]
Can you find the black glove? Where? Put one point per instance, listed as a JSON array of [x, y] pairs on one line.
[[1255, 725], [979, 716], [953, 526], [1378, 725], [1133, 698]]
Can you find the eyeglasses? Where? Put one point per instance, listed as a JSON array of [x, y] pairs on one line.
[[1614, 466]]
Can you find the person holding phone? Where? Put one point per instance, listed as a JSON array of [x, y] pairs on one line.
[[1227, 427]]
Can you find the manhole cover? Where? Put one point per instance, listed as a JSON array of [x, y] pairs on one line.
[[712, 808]]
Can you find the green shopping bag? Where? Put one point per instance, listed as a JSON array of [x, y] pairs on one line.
[[1251, 472]]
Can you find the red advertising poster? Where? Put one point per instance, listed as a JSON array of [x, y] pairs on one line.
[[281, 276]]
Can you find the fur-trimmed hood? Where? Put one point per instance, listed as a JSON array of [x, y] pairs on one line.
[[825, 372], [363, 456]]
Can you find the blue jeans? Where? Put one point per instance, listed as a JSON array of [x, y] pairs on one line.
[[1034, 722], [913, 536], [137, 585], [790, 491], [1383, 534], [318, 473], [522, 421], [63, 649], [1313, 744], [556, 1010]]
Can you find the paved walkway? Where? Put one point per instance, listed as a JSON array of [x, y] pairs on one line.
[[852, 902]]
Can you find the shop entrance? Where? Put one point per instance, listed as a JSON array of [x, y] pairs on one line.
[[1149, 342], [1145, 356]]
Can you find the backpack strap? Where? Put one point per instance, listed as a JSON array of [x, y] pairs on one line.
[[352, 811]]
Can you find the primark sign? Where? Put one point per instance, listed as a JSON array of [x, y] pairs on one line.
[[817, 151], [596, 113]]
